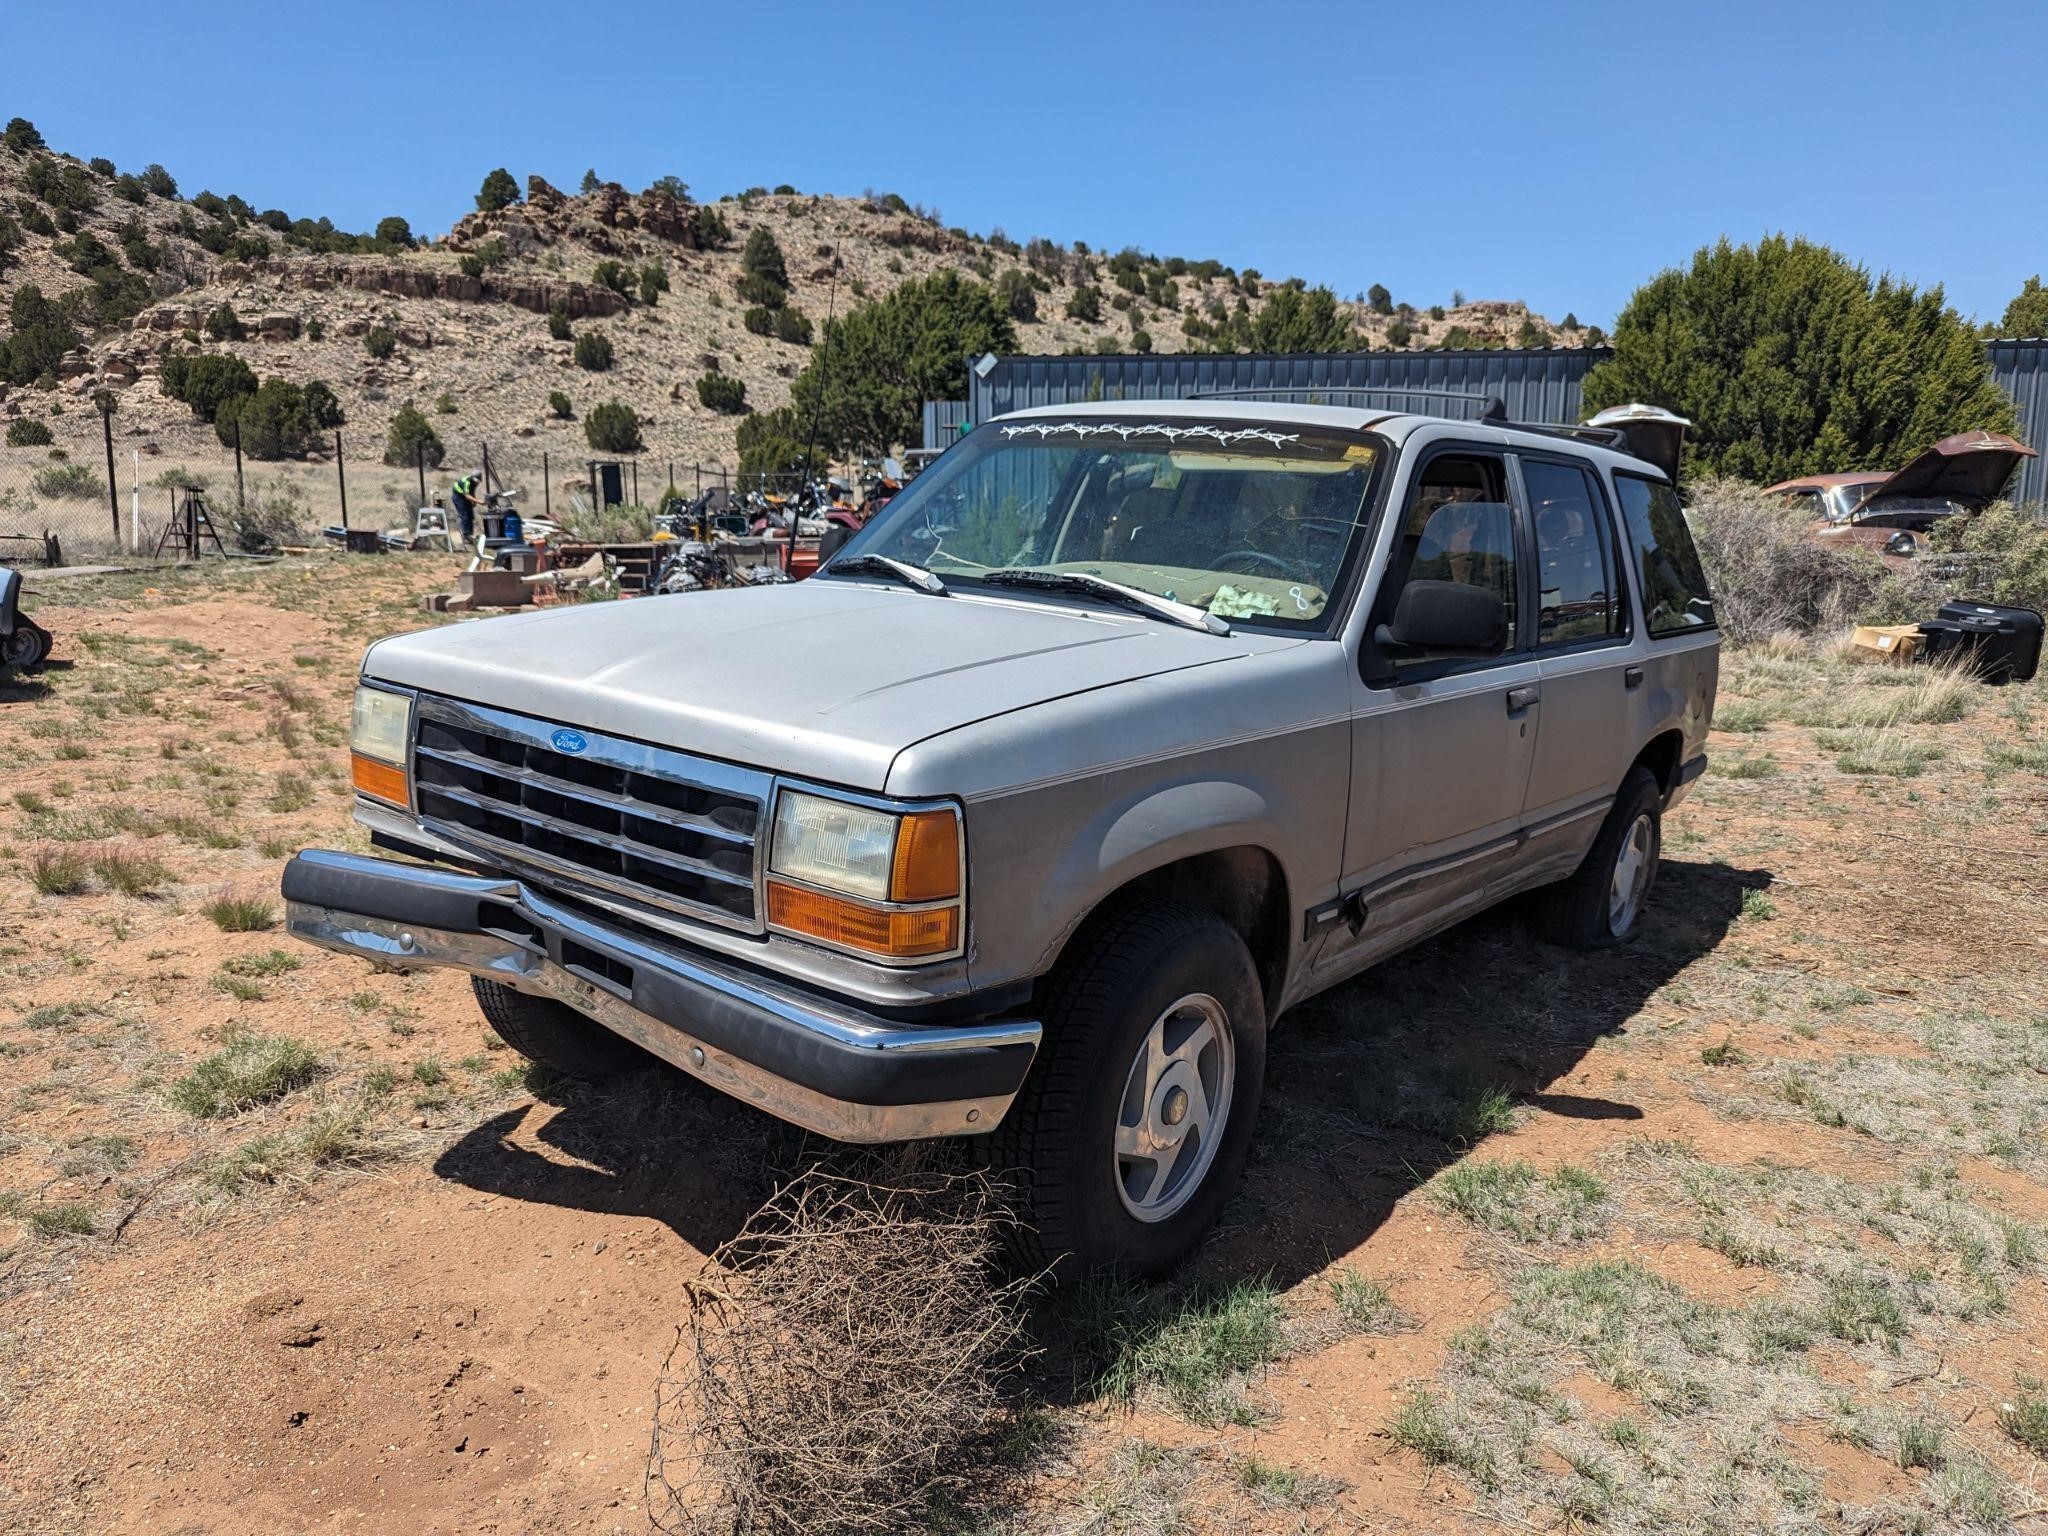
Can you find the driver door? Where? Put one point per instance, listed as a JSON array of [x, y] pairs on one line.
[[1441, 743]]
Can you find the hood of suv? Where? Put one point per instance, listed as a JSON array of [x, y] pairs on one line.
[[824, 679]]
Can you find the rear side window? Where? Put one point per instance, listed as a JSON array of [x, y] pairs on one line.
[[1575, 575], [1675, 596]]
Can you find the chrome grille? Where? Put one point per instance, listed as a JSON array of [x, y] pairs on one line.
[[658, 826]]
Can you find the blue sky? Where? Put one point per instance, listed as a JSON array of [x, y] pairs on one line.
[[1555, 153]]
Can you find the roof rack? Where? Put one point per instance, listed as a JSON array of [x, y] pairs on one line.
[[1493, 411]]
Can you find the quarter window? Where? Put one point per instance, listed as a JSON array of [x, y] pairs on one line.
[[1577, 594], [1675, 596]]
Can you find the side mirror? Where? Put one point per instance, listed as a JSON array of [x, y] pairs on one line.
[[1446, 616]]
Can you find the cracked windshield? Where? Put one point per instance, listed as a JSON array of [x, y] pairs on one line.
[[1247, 522]]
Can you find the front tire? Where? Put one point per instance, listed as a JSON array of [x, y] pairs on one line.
[[28, 646], [1133, 1126], [1602, 903], [554, 1034]]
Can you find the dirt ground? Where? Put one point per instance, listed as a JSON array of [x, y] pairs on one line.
[[1740, 1227]]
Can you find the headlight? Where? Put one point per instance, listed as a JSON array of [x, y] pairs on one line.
[[380, 730], [857, 877]]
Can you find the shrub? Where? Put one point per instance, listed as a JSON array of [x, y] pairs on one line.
[[1017, 295], [723, 393], [498, 191], [759, 320], [1085, 303], [67, 482], [271, 515], [612, 428], [21, 136], [280, 420], [1789, 358], [1399, 335], [1141, 340], [653, 282], [558, 405], [223, 324], [594, 351], [411, 438], [240, 914], [713, 233], [42, 334], [160, 182], [558, 322], [380, 341], [206, 383], [791, 1411], [28, 432], [395, 231], [1767, 574], [762, 258], [470, 264], [793, 326], [615, 275]]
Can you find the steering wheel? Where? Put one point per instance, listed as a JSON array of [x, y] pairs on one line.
[[1280, 567]]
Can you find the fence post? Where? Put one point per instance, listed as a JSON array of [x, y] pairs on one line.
[[113, 490], [547, 490], [241, 501], [489, 478], [341, 479], [419, 450], [593, 485], [636, 482]]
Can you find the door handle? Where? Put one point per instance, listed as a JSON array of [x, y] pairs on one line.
[[1520, 699], [1632, 677]]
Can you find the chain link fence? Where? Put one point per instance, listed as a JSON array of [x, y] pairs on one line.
[[56, 504]]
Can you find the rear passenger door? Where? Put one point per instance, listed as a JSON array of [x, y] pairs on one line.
[[1582, 642]]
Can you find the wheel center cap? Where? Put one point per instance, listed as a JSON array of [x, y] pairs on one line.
[[1175, 1109]]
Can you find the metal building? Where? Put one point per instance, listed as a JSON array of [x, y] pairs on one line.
[[2021, 369]]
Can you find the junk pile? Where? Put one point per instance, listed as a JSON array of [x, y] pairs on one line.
[[1994, 644]]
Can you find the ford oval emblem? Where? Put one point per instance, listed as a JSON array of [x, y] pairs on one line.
[[568, 741]]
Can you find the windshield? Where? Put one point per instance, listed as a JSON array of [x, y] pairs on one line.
[[1250, 522]]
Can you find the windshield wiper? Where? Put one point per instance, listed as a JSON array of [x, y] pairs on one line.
[[881, 565], [1101, 586]]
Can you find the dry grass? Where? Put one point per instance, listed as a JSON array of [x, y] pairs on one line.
[[841, 1370]]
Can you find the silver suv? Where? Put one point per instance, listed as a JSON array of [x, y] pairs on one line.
[[1123, 730]]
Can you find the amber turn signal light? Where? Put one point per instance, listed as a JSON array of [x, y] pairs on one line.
[[927, 862], [857, 925], [381, 781]]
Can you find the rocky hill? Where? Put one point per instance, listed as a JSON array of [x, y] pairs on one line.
[[469, 311]]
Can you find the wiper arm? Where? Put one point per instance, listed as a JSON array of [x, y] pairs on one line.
[[1101, 586], [910, 575]]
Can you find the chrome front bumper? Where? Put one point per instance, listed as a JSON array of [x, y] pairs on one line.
[[820, 1064]]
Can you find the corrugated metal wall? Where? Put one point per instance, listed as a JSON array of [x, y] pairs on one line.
[[1537, 385], [2021, 368], [943, 420]]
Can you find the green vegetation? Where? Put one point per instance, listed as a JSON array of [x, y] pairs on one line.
[[40, 334], [2027, 314], [1564, 1205], [612, 427], [412, 439], [223, 324], [593, 352], [249, 1069], [1195, 1349], [395, 231], [380, 341], [558, 405], [1791, 359], [279, 420], [28, 432], [875, 367], [240, 914], [764, 276], [498, 191], [723, 393], [558, 322], [207, 382]]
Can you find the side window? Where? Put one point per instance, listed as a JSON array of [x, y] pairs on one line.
[[1452, 576], [1578, 597], [1675, 596]]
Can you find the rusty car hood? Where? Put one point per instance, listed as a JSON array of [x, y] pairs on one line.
[[1969, 468]]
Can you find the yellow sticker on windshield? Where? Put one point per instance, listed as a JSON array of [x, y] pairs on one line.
[[1360, 453]]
